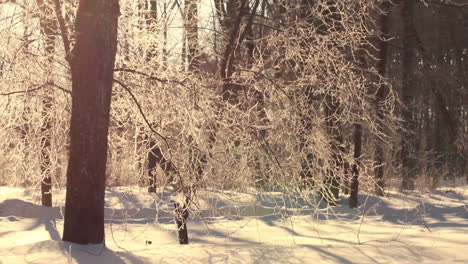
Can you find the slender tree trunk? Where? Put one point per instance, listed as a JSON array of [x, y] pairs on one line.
[[381, 67], [92, 78], [346, 180], [196, 159], [46, 183], [49, 29], [182, 215], [353, 199], [191, 33], [164, 47], [408, 61], [152, 163], [151, 19], [332, 190], [237, 34], [332, 182]]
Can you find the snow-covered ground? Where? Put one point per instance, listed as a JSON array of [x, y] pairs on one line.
[[400, 228]]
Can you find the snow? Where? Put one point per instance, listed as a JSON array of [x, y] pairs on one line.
[[399, 228]]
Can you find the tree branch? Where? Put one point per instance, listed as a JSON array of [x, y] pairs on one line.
[[24, 91], [63, 30], [151, 77], [140, 109]]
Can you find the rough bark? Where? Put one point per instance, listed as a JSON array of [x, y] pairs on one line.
[[92, 63]]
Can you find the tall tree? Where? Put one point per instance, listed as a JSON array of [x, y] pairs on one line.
[[381, 68], [408, 64], [353, 199], [49, 29], [191, 33], [92, 65], [331, 24], [150, 14]]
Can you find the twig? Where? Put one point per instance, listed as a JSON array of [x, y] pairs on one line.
[[63, 30], [151, 77], [24, 91]]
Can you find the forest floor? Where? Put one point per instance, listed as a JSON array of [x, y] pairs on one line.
[[410, 227]]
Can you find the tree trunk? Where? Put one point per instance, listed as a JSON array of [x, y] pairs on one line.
[[155, 157], [92, 78], [331, 192], [46, 183], [408, 61], [381, 67], [191, 32], [181, 217], [152, 163], [353, 199], [49, 29], [150, 11], [332, 182], [152, 19]]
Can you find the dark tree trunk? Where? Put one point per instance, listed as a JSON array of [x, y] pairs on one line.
[[353, 199], [408, 61], [150, 10], [237, 34], [164, 46], [381, 67], [152, 19], [196, 159], [332, 22], [152, 163], [155, 157], [332, 183], [346, 178], [92, 78], [181, 217]]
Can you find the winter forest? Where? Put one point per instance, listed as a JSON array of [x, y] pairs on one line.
[[233, 131]]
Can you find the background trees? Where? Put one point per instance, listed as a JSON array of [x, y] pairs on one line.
[[303, 97], [421, 54]]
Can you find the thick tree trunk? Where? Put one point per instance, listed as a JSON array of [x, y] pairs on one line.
[[92, 77]]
